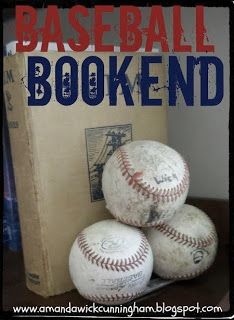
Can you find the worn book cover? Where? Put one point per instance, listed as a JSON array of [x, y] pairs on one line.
[[59, 150]]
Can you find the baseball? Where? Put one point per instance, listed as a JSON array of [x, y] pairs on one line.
[[144, 183], [110, 263], [184, 247]]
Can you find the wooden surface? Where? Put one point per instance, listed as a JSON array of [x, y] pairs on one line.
[[210, 288]]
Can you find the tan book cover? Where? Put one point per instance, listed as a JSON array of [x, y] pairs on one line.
[[58, 157]]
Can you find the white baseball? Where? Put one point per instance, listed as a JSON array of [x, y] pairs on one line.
[[184, 247], [110, 263], [144, 183]]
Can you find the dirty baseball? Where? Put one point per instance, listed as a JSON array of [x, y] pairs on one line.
[[110, 263], [144, 183], [185, 247]]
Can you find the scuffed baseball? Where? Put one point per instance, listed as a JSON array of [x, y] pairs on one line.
[[110, 263], [184, 247], [144, 183]]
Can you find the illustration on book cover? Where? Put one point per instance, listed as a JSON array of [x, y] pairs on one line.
[[101, 143]]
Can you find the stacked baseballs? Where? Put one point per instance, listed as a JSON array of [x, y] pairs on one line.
[[145, 185]]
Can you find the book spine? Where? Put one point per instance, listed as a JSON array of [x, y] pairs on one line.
[[25, 165]]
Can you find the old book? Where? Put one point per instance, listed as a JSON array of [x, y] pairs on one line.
[[58, 156], [11, 227]]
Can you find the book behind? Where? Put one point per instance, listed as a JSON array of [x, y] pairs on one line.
[[11, 227], [59, 153]]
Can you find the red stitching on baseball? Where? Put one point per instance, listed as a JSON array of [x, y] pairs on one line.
[[114, 264], [112, 297], [184, 239], [135, 180], [172, 233]]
